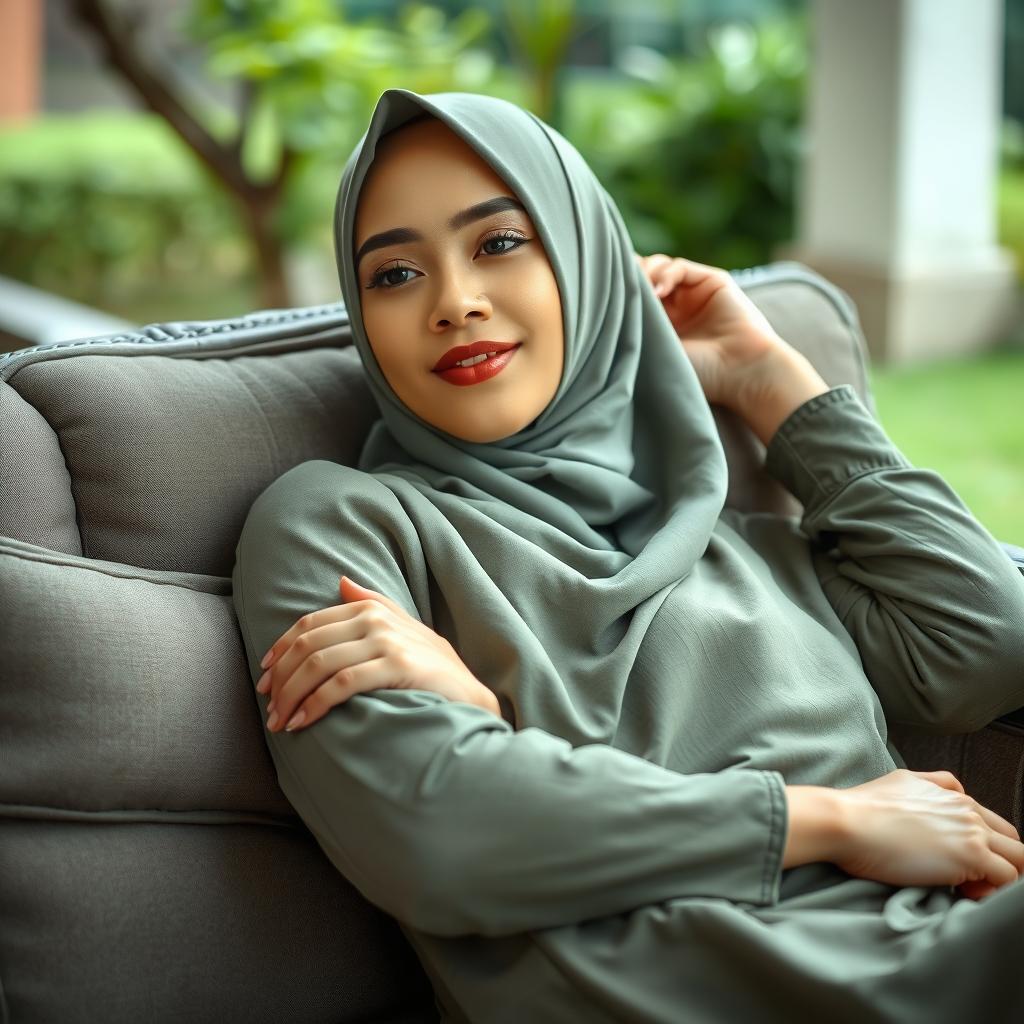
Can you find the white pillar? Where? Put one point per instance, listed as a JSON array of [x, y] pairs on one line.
[[898, 196]]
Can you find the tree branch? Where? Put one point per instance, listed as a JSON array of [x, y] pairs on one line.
[[158, 95]]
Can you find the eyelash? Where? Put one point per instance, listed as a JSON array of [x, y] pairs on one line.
[[377, 281]]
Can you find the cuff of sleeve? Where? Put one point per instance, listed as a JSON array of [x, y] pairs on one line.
[[771, 877], [825, 443]]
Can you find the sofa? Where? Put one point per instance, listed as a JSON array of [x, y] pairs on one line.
[[150, 866]]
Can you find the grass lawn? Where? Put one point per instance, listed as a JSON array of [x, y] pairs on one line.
[[964, 418]]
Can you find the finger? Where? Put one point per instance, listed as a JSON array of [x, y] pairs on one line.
[[1009, 849], [338, 659], [342, 627], [346, 683], [671, 275], [275, 656], [661, 277], [975, 890], [663, 283], [313, 619], [998, 870], [947, 780], [998, 823], [302, 625], [347, 582], [702, 270], [652, 265]]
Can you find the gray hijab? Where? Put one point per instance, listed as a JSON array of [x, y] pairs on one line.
[[566, 536]]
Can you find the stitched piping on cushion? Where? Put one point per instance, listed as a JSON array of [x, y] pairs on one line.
[[768, 273], [40, 812], [58, 559], [139, 338]]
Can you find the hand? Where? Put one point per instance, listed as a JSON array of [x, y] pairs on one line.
[[726, 336], [370, 642], [921, 828], [740, 360]]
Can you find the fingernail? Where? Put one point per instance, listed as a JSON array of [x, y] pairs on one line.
[[263, 683], [297, 719], [270, 707], [266, 658], [271, 721]]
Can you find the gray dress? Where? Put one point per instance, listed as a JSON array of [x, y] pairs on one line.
[[613, 852]]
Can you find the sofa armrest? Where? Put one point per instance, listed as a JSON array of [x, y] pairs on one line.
[[1014, 718]]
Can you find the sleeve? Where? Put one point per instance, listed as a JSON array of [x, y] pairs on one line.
[[929, 596], [440, 813]]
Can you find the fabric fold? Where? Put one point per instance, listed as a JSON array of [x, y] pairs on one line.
[[938, 654]]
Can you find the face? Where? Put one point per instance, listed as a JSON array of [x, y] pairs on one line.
[[436, 272]]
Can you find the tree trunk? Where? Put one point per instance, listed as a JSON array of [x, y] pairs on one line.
[[258, 217], [257, 202]]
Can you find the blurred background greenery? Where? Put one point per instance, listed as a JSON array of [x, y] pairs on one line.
[[198, 181], [290, 85]]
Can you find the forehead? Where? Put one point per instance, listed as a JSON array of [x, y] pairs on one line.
[[425, 159]]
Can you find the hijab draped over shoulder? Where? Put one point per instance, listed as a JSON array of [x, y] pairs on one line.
[[565, 537]]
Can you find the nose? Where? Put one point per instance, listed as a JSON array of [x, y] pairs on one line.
[[458, 299]]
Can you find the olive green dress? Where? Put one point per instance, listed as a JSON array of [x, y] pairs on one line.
[[610, 849], [613, 852]]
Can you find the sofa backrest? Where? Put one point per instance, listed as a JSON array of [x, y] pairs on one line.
[[149, 447]]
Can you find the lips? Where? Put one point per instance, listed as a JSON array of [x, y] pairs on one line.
[[459, 352]]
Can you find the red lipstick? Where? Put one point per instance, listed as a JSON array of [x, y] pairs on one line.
[[480, 371], [460, 352]]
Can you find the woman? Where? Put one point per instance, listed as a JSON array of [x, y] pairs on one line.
[[606, 749]]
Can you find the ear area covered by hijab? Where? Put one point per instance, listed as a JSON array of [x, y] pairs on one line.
[[628, 446], [623, 475]]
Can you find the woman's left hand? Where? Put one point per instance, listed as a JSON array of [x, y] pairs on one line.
[[370, 642], [729, 341]]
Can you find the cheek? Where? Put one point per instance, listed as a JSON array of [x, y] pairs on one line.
[[384, 330], [538, 296]]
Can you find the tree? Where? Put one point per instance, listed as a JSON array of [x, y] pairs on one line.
[[306, 80]]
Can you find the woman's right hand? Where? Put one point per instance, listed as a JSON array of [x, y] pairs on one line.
[[921, 828]]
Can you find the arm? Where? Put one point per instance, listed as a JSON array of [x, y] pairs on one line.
[[928, 595], [438, 811]]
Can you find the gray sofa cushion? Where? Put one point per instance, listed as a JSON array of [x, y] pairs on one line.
[[150, 867]]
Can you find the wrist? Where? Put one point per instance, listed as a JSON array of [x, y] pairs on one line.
[[788, 379], [817, 825]]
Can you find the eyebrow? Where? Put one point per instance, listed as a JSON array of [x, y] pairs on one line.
[[487, 208]]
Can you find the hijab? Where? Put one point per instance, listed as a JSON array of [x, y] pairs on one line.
[[560, 542]]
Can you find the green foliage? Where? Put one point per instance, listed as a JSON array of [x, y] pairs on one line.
[[541, 31], [701, 154], [101, 207], [316, 76], [957, 416], [97, 206], [1010, 192]]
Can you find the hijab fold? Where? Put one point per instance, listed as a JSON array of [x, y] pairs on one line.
[[608, 499]]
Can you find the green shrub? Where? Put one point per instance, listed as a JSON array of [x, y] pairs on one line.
[[701, 153], [100, 206]]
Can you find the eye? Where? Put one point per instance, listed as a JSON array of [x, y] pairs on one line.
[[507, 241], [507, 237], [379, 279]]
